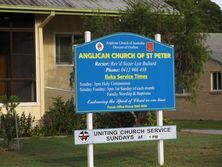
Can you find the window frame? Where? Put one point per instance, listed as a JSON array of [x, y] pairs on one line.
[[10, 79], [217, 81], [62, 33], [182, 93]]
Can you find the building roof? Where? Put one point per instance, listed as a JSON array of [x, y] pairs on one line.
[[214, 42], [75, 6], [217, 55]]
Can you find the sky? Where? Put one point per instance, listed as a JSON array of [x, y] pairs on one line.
[[219, 2]]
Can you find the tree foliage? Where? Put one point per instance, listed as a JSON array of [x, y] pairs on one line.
[[190, 51], [184, 31], [8, 121], [209, 13], [60, 119]]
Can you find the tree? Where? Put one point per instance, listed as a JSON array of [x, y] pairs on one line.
[[101, 25], [184, 31], [9, 122], [210, 15], [190, 52], [209, 12]]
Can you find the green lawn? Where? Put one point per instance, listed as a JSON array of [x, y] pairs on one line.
[[206, 124], [189, 150]]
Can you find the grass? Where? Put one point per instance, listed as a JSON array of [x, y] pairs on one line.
[[206, 124], [189, 150]]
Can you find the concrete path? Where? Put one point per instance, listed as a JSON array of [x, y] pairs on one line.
[[204, 131]]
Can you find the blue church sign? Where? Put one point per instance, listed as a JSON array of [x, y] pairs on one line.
[[124, 72]]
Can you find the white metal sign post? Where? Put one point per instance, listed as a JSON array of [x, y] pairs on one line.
[[90, 154], [159, 115]]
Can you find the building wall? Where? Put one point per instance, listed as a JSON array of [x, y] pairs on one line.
[[57, 76], [208, 104]]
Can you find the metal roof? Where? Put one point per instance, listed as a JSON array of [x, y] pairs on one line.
[[217, 55], [214, 43], [81, 6]]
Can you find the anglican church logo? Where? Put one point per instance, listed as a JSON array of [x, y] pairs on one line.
[[149, 46], [84, 136], [99, 46]]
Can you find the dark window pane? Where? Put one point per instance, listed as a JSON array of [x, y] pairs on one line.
[[16, 20], [22, 21], [3, 67], [4, 53], [25, 90], [3, 88], [4, 20], [181, 89], [22, 66], [22, 54], [22, 43], [214, 81], [63, 49], [4, 43], [219, 80]]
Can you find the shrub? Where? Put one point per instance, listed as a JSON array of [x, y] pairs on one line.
[[61, 119], [9, 124], [37, 131], [151, 120], [113, 120], [8, 128], [25, 125]]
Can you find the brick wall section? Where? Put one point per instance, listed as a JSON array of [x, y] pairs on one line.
[[208, 104]]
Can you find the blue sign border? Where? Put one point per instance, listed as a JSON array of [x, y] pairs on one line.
[[76, 66]]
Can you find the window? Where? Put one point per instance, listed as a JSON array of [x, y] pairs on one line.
[[216, 83], [181, 91], [17, 56], [63, 43]]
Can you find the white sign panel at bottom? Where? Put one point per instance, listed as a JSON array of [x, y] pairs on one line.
[[115, 135]]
